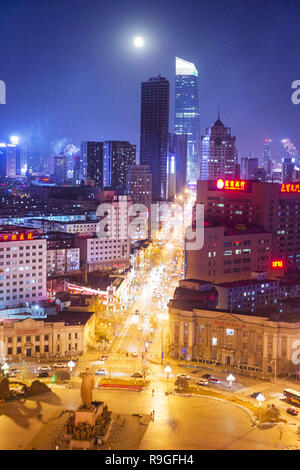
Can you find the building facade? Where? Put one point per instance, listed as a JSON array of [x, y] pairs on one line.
[[178, 145], [275, 207], [154, 132], [23, 269], [254, 344], [117, 156], [218, 153], [60, 335], [187, 113], [90, 165]]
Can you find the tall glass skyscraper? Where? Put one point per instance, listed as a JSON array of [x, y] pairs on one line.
[[187, 113]]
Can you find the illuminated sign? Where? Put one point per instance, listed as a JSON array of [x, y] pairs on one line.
[[235, 185], [13, 237], [290, 188], [277, 264]]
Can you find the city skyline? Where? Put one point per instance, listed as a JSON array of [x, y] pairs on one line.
[[249, 103]]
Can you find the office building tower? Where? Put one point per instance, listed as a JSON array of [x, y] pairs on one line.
[[218, 152], [139, 187], [23, 281], [187, 113], [267, 157], [249, 168], [273, 206], [117, 156], [178, 149], [60, 168], [91, 162], [154, 132], [288, 167]]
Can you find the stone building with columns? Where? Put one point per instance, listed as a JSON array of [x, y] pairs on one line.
[[61, 335], [258, 344]]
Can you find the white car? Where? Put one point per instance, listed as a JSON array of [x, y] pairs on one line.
[[60, 365], [134, 354], [43, 368], [101, 372]]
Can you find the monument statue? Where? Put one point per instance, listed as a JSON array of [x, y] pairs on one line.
[[87, 385]]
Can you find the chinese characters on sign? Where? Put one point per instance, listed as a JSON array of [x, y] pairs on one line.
[[236, 185], [290, 188], [11, 237]]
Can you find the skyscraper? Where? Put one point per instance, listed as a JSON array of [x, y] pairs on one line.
[[117, 156], [154, 132], [178, 149], [267, 157], [60, 168], [91, 162], [218, 152], [187, 113]]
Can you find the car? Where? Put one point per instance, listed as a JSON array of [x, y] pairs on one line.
[[292, 411], [137, 375], [134, 354], [44, 368], [183, 376], [137, 312], [214, 380], [255, 394], [14, 370], [104, 357], [206, 376], [60, 365], [101, 372], [139, 328], [202, 382], [43, 373]]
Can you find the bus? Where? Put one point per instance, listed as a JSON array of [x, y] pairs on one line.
[[292, 396]]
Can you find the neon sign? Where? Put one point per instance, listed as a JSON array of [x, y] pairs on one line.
[[290, 188], [277, 264], [13, 237], [236, 185]]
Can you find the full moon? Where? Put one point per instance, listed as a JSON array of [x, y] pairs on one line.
[[138, 41]]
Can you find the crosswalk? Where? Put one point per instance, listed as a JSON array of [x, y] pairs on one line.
[[119, 357]]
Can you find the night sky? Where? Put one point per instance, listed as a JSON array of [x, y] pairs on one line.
[[72, 72]]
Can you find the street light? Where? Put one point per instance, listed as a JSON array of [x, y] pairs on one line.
[[260, 398], [230, 379], [5, 368], [168, 370], [71, 364]]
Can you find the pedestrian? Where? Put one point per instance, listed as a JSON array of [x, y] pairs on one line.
[[153, 413], [153, 392]]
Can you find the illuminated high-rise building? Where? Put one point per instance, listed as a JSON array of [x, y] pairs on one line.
[[267, 157], [178, 149], [187, 113], [154, 132], [91, 162], [117, 156], [218, 153]]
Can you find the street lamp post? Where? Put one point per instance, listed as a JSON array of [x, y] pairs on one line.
[[260, 398], [71, 364], [168, 370], [230, 379], [5, 368]]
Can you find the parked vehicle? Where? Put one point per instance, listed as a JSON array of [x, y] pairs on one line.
[[255, 394], [202, 382], [44, 368], [60, 365], [137, 375], [43, 374], [183, 376], [292, 411], [101, 372]]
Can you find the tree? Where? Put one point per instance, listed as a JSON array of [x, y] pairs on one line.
[[144, 370]]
